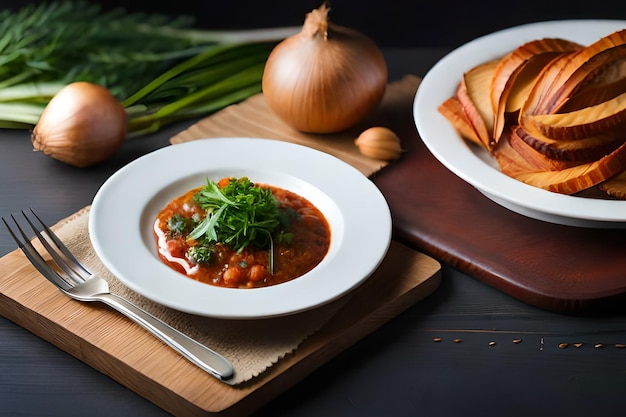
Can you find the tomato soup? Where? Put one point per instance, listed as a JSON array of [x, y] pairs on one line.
[[222, 264]]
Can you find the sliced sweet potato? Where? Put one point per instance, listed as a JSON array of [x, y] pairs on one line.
[[537, 159], [581, 150], [608, 116], [552, 86], [524, 82], [453, 111], [473, 95], [542, 91], [600, 79], [510, 63], [516, 72], [593, 94], [510, 161], [569, 180]]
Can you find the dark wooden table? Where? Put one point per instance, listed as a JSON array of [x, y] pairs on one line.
[[400, 370]]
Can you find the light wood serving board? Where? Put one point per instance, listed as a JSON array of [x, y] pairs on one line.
[[115, 346]]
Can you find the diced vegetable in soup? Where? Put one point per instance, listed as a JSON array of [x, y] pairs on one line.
[[223, 234]]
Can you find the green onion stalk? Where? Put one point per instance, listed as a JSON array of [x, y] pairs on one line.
[[159, 67]]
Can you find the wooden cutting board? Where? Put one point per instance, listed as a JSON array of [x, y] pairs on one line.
[[119, 348]]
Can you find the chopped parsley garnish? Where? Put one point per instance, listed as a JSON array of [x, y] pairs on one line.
[[200, 254], [178, 224], [239, 214]]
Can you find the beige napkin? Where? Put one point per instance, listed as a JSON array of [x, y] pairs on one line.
[[251, 345], [253, 118]]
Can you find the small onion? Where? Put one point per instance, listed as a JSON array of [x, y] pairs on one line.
[[83, 125], [326, 78]]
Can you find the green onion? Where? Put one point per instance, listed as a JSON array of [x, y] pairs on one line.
[[159, 67]]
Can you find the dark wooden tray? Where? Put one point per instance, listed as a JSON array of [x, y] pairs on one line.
[[559, 268]]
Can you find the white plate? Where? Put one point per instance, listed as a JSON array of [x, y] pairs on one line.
[[124, 209], [474, 165]]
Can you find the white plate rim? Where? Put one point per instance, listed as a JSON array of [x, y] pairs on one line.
[[123, 204], [465, 160]]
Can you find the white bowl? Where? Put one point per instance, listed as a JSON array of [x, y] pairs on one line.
[[473, 164], [125, 207]]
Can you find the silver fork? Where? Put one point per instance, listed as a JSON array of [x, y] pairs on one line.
[[76, 281]]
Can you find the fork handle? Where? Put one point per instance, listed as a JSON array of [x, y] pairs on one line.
[[197, 353]]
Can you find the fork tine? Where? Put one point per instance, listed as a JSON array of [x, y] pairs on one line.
[[60, 253], [60, 245], [35, 258]]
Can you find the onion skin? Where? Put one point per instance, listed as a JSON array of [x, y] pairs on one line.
[[83, 125], [326, 78]]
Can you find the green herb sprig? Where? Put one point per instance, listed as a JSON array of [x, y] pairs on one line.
[[238, 214]]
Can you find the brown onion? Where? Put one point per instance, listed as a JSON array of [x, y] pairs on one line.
[[326, 78], [83, 124]]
